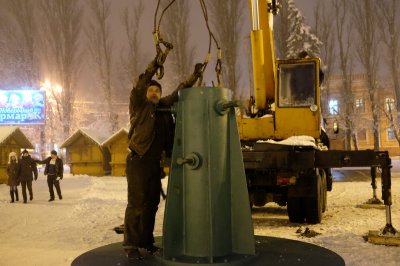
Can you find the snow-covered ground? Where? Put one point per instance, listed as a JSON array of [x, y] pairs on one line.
[[42, 233]]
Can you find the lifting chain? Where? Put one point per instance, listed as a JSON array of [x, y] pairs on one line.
[[274, 7], [158, 40], [161, 55], [218, 67]]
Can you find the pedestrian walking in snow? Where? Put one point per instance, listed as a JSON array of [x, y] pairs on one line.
[[151, 133], [27, 170], [12, 172], [54, 170]]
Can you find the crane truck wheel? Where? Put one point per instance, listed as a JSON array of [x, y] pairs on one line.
[[314, 204], [295, 209], [323, 189], [259, 198]]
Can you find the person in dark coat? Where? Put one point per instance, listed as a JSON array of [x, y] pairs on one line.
[[54, 170], [27, 170], [12, 172], [150, 134]]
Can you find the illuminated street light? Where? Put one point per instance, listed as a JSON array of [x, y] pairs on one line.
[[54, 89]]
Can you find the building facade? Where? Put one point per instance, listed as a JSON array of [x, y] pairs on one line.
[[361, 119]]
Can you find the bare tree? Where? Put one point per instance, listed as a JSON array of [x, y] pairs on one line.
[[177, 32], [343, 31], [101, 51], [131, 58], [227, 19], [19, 50], [391, 34], [61, 30], [325, 32], [365, 21]]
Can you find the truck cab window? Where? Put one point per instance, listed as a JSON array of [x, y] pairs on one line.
[[297, 85]]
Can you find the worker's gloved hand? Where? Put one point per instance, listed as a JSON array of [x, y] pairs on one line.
[[197, 74], [35, 178], [58, 178]]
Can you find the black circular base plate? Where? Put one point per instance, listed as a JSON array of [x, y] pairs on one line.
[[269, 251]]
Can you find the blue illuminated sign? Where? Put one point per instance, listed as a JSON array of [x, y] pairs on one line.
[[22, 107]]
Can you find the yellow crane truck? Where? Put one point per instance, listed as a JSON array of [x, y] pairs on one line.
[[286, 106]]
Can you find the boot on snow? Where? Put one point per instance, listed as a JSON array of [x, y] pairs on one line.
[[12, 196]]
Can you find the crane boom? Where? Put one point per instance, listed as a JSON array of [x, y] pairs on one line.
[[263, 54]]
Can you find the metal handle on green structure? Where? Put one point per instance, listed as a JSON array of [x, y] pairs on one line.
[[193, 161], [222, 107]]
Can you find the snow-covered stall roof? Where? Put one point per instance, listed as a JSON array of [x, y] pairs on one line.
[[98, 137], [122, 131], [7, 132]]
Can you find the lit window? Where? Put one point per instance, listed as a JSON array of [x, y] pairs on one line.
[[360, 105], [389, 104], [391, 134], [333, 107]]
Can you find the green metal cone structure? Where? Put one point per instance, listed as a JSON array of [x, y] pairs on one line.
[[207, 218]]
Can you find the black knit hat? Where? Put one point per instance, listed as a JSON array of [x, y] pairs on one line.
[[154, 83]]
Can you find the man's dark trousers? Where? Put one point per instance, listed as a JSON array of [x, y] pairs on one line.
[[52, 180], [25, 184], [143, 176]]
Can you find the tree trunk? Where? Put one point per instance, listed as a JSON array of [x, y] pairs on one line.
[[355, 141], [60, 31], [366, 23]]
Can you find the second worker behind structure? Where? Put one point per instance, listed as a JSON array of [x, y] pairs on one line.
[[54, 170], [151, 133]]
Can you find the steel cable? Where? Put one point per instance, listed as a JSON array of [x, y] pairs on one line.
[[218, 66]]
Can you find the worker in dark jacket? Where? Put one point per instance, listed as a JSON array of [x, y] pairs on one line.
[[150, 134], [12, 172], [54, 170], [27, 170]]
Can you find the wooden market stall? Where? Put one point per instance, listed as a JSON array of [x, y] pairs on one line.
[[86, 154], [117, 144], [11, 139]]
